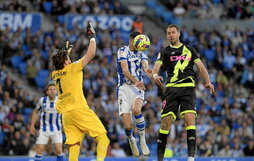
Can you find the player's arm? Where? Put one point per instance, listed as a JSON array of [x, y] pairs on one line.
[[204, 74], [146, 68], [157, 79], [90, 53], [33, 121], [128, 75]]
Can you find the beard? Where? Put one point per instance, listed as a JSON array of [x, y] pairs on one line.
[[173, 42]]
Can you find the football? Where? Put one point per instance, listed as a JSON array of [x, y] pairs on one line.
[[141, 42]]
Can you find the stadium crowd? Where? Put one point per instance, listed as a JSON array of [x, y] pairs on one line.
[[225, 121], [61, 7], [231, 9]]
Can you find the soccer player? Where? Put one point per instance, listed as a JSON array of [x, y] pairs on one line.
[[50, 123], [130, 63], [178, 60], [77, 117]]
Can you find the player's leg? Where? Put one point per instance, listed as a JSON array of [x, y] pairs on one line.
[[102, 146], [41, 143], [140, 123], [190, 127], [74, 136], [87, 121], [39, 152], [125, 101], [74, 150], [169, 109], [188, 104], [166, 122], [127, 121], [59, 151], [57, 140]]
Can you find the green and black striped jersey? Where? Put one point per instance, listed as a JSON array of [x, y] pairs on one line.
[[179, 62]]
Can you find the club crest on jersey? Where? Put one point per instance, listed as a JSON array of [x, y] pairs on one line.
[[181, 57]]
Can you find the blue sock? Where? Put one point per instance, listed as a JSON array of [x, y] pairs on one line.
[[38, 157], [141, 125], [128, 132], [59, 157], [140, 122]]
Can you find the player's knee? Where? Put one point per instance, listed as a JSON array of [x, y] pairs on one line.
[[128, 126], [39, 149], [166, 122], [59, 150], [103, 139], [136, 111], [189, 119]]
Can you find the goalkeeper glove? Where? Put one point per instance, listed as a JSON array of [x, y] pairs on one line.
[[68, 47], [90, 30]]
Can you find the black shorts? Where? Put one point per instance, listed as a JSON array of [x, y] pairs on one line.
[[179, 98]]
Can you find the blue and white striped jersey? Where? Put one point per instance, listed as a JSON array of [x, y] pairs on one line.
[[134, 60], [50, 119]]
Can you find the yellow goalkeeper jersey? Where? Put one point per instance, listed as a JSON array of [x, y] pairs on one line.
[[69, 83]]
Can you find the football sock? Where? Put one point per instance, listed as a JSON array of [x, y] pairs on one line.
[[140, 123], [38, 157], [128, 133], [191, 140], [161, 143], [59, 157]]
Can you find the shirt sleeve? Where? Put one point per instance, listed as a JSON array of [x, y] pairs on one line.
[[160, 57], [144, 56], [76, 66], [39, 105], [195, 55], [121, 55]]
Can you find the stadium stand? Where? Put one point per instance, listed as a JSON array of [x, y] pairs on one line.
[[226, 120]]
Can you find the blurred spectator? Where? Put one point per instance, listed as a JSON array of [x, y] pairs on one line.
[[138, 25], [249, 149], [31, 72], [225, 152], [117, 151]]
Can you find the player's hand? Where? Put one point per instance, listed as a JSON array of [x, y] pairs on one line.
[[32, 130], [149, 73], [158, 79], [68, 47], [140, 85], [90, 30], [210, 87]]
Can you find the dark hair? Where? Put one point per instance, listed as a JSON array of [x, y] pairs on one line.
[[134, 34], [51, 83], [59, 59], [175, 26]]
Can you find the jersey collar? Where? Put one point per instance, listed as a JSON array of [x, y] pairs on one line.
[[176, 46]]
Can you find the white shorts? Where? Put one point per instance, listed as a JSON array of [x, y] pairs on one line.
[[43, 137], [126, 97]]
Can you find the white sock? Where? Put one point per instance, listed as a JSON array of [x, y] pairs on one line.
[[140, 123]]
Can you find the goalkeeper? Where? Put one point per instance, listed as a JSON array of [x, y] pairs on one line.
[[77, 117]]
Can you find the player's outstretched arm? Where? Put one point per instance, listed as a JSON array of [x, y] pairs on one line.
[[146, 68], [205, 76], [157, 79], [33, 121], [90, 53]]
